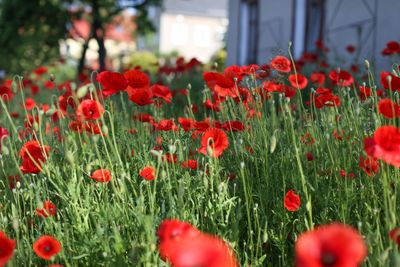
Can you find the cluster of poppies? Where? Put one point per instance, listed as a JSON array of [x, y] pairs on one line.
[[180, 243], [45, 247]]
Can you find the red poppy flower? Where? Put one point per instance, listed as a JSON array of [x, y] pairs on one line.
[[369, 165], [5, 93], [341, 78], [281, 64], [141, 97], [324, 97], [40, 70], [214, 142], [365, 92], [234, 126], [101, 175], [33, 155], [190, 164], [161, 91], [392, 48], [394, 235], [89, 109], [143, 117], [165, 125], [137, 79], [384, 145], [186, 124], [46, 247], [49, 85], [330, 245], [48, 209], [318, 78], [222, 84], [388, 108], [298, 81], [394, 83], [7, 247], [148, 173], [351, 49], [292, 201], [310, 156], [112, 82], [29, 103], [182, 245]]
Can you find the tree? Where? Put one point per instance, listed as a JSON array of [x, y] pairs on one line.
[[31, 30]]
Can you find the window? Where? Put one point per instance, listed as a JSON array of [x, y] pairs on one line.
[[248, 52], [314, 23]]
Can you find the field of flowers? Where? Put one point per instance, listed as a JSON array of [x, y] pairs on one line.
[[283, 164]]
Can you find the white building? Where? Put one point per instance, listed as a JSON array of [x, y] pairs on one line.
[[260, 29], [193, 28]]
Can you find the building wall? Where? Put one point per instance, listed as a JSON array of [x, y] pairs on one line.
[[275, 28], [208, 8], [367, 24], [233, 43], [192, 36]]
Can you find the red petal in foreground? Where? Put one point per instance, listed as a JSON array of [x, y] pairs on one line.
[[330, 245], [384, 145], [7, 247], [182, 245]]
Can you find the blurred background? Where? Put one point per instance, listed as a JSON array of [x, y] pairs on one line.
[[119, 34]]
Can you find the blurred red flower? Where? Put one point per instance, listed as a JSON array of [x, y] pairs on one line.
[[148, 173], [292, 201], [137, 80], [48, 209], [394, 235], [388, 108], [33, 155], [214, 142], [46, 247], [5, 93], [161, 91], [384, 145], [101, 175], [89, 109], [298, 81], [112, 82], [7, 247], [389, 81], [318, 78], [330, 245], [341, 78], [182, 245], [369, 165], [281, 64], [190, 164]]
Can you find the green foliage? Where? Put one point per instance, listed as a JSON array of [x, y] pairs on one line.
[[31, 30], [115, 224]]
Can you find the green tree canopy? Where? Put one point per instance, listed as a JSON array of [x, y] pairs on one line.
[[31, 30]]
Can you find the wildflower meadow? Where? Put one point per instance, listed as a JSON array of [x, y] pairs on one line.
[[290, 163]]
